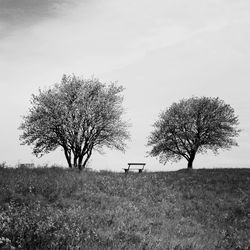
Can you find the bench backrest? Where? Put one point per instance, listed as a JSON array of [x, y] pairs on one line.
[[136, 164]]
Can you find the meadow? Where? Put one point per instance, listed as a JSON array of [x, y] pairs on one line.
[[55, 208]]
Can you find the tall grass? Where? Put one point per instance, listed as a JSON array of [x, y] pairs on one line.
[[53, 208]]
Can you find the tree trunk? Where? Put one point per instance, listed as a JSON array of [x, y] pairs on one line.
[[190, 164], [190, 161], [86, 151], [80, 162], [75, 160], [82, 166], [68, 156]]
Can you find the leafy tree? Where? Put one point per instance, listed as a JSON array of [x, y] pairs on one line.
[[193, 126], [77, 115]]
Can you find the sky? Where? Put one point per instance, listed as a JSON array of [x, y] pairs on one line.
[[161, 51]]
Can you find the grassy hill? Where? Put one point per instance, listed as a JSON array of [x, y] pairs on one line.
[[52, 208]]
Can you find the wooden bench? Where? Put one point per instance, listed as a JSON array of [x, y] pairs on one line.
[[140, 167], [26, 165]]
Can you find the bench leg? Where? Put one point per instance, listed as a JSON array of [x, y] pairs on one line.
[[140, 170], [126, 170]]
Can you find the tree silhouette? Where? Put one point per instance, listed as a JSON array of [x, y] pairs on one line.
[[193, 126], [77, 115]]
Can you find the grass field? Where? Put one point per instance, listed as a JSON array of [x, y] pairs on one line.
[[52, 208]]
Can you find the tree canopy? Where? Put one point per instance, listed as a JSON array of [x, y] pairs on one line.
[[192, 126], [78, 115]]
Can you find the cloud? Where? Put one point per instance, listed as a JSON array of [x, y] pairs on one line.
[[16, 14]]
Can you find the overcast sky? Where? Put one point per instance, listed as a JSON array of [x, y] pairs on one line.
[[160, 51]]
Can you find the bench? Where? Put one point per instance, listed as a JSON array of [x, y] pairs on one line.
[[140, 167], [26, 165]]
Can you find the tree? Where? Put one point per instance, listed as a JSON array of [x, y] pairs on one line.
[[77, 115], [192, 126]]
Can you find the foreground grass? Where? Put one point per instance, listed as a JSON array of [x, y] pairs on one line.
[[62, 209]]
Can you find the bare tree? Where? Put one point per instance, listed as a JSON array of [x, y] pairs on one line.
[[193, 126], [77, 115]]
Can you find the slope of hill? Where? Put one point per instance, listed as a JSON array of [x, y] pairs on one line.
[[52, 208]]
